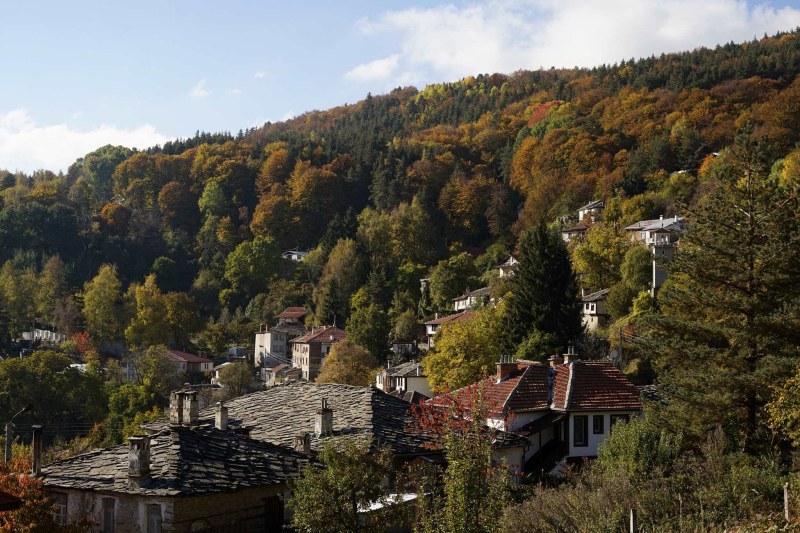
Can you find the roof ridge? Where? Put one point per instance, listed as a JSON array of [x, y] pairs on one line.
[[567, 396]]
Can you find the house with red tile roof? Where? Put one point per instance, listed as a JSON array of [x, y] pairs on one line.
[[292, 315], [189, 363], [564, 410], [309, 350]]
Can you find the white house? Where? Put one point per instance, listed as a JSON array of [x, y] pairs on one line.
[[661, 236], [432, 326], [564, 410], [593, 210], [593, 312], [508, 268], [403, 378], [294, 255], [472, 299]]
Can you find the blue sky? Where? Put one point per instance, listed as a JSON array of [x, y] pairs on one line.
[[80, 74]]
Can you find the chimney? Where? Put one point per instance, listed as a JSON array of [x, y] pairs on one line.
[[302, 443], [176, 408], [221, 416], [585, 291], [190, 409], [36, 467], [323, 422], [505, 367], [661, 217], [555, 360], [570, 356], [138, 457]]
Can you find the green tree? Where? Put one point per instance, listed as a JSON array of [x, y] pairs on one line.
[[369, 326], [544, 292], [348, 363], [101, 299], [251, 266], [237, 379], [729, 310], [451, 278], [465, 351], [328, 499], [99, 167], [600, 256], [150, 324]]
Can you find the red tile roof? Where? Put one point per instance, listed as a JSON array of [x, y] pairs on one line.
[[600, 385], [523, 389], [322, 334], [293, 312], [176, 355], [463, 315]]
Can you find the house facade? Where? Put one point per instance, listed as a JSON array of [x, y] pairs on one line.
[[310, 350], [593, 310], [190, 363], [432, 326], [661, 236], [404, 378], [472, 299], [593, 210], [274, 343], [183, 478], [509, 267], [563, 410]]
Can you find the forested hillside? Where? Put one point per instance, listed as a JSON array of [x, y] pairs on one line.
[[181, 244]]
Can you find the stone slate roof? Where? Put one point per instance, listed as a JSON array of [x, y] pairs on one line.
[[290, 329], [321, 335], [405, 370], [596, 296], [280, 413], [483, 291], [594, 204], [183, 462]]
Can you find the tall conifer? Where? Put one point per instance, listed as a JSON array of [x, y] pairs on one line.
[[544, 292]]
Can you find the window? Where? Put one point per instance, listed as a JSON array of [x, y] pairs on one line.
[[153, 518], [59, 507], [619, 418], [580, 427], [598, 423], [108, 515]]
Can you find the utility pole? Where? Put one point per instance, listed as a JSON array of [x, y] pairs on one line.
[[10, 431]]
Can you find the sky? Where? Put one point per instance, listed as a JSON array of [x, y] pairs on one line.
[[77, 75]]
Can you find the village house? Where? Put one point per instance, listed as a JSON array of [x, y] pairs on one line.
[[295, 255], [280, 373], [563, 410], [661, 236], [472, 299], [187, 476], [406, 380], [310, 350], [576, 232], [190, 363], [509, 267], [593, 210], [274, 343], [432, 326], [593, 311], [292, 315]]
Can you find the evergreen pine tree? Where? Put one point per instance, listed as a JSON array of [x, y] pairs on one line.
[[727, 332], [544, 292]]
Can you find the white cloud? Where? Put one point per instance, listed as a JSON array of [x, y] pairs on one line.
[[260, 75], [380, 69], [199, 90], [449, 42], [27, 146], [235, 92]]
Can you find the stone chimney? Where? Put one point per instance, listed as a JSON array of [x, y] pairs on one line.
[[190, 408], [570, 356], [302, 443], [138, 458], [555, 360], [221, 416], [176, 408], [36, 466], [505, 367], [323, 421], [585, 291]]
